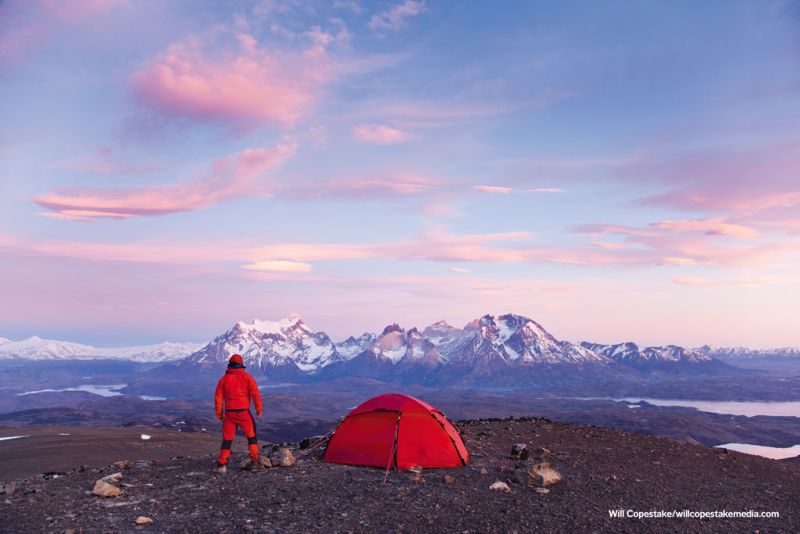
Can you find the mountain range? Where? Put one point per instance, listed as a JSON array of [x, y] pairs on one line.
[[504, 349], [36, 348]]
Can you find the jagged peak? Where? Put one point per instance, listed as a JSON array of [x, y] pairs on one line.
[[394, 327], [293, 320]]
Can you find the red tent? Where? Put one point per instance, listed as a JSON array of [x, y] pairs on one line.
[[396, 431]]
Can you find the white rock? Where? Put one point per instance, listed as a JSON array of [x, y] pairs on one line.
[[104, 489], [500, 486]]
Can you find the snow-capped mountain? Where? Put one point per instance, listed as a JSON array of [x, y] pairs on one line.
[[515, 340], [287, 344], [746, 353], [36, 348], [353, 346], [441, 333], [630, 353]]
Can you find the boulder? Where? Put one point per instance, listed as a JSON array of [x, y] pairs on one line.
[[543, 475], [500, 486], [519, 451], [283, 457], [104, 489]]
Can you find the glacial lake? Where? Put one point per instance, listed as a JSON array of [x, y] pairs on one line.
[[775, 409], [776, 453], [110, 390]]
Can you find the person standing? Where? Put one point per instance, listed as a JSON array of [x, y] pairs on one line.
[[232, 399]]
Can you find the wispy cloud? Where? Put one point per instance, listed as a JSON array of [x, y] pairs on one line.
[[379, 134], [368, 186], [395, 17], [497, 189], [227, 178], [505, 190], [279, 266]]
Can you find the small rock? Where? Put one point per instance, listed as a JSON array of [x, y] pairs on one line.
[[145, 437], [265, 462], [122, 464], [543, 491], [69, 531], [500, 486], [520, 451], [541, 454], [143, 520], [484, 471], [104, 489], [112, 478], [542, 475], [449, 480], [283, 457], [8, 489]]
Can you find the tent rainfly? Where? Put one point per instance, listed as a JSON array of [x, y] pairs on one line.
[[396, 431]]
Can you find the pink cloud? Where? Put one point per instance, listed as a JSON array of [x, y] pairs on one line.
[[365, 187], [379, 134], [493, 189], [734, 181], [716, 226], [279, 266], [228, 178], [238, 82], [395, 17], [500, 189]]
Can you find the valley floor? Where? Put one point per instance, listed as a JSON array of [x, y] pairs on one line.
[[602, 470]]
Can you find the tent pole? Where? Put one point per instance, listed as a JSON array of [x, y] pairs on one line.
[[391, 454]]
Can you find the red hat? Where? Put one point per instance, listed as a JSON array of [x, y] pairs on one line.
[[236, 360]]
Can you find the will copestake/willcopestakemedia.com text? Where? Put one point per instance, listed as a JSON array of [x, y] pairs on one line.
[[690, 514]]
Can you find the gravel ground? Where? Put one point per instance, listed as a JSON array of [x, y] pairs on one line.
[[602, 470]]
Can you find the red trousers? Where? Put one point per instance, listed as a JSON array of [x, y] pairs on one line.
[[244, 420]]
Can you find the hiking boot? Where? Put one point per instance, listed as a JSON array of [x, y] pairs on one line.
[[255, 465], [222, 469]]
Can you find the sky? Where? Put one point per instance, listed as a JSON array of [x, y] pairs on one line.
[[616, 171]]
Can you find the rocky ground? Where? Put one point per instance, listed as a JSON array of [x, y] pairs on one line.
[[601, 470]]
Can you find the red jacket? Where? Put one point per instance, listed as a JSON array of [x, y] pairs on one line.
[[235, 389]]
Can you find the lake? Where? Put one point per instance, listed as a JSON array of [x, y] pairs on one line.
[[776, 453], [110, 390], [750, 409]]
